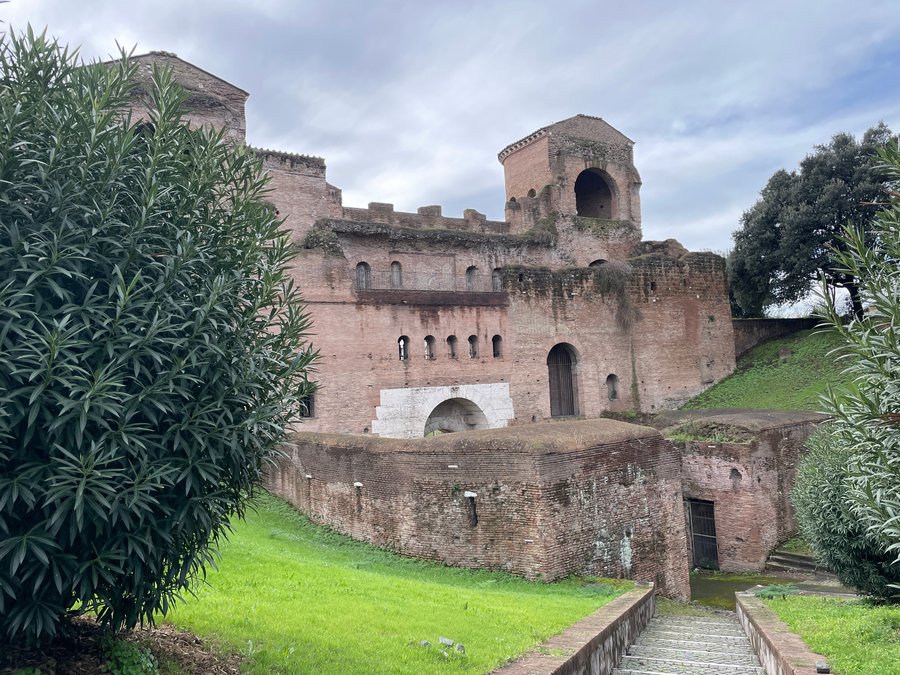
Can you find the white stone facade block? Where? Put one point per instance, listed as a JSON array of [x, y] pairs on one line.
[[404, 412]]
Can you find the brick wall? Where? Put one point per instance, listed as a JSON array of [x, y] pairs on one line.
[[750, 332], [749, 483], [596, 497], [211, 101]]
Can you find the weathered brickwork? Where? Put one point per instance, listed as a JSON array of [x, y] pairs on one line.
[[432, 324], [426, 301], [594, 497], [749, 483], [750, 332]]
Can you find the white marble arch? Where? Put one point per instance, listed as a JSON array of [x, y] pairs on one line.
[[404, 412]]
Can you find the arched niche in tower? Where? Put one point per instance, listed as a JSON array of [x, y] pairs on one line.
[[595, 194]]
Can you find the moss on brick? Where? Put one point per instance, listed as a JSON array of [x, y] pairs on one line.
[[324, 240], [462, 238]]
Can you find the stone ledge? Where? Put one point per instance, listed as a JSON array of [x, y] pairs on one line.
[[780, 651], [594, 645]]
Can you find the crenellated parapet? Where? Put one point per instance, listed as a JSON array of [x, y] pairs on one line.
[[430, 217]]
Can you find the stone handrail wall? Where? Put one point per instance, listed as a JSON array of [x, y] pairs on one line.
[[596, 644], [780, 651], [751, 332]]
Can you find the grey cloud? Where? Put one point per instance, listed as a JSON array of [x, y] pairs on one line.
[[409, 102]]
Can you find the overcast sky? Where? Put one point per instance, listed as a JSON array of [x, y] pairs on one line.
[[409, 102]]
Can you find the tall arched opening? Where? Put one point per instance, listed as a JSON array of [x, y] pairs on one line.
[[561, 370], [453, 415], [595, 194]]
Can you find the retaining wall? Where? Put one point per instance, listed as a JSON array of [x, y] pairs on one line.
[[751, 332], [596, 644], [780, 651]]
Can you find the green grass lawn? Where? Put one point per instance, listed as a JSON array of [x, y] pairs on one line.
[[297, 598], [765, 379], [857, 638]]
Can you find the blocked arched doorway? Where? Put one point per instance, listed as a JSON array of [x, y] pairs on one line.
[[594, 194], [561, 371], [455, 414]]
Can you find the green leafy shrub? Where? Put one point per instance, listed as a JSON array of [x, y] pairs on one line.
[[127, 658], [776, 591], [152, 349], [828, 524], [867, 414]]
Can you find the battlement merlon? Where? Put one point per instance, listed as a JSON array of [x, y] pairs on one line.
[[426, 217]]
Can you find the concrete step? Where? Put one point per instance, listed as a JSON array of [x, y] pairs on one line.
[[713, 644], [698, 646], [673, 633], [708, 628], [673, 667], [668, 654], [795, 562], [793, 555]]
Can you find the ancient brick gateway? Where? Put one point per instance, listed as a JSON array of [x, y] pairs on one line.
[[431, 324], [435, 323]]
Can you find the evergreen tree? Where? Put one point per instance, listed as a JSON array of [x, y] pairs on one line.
[[787, 239]]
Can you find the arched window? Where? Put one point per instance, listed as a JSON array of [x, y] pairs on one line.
[[612, 387], [497, 280], [497, 346], [594, 196], [403, 347], [452, 349], [473, 346], [396, 275], [532, 193], [471, 278], [560, 365], [429, 347], [597, 263], [363, 276]]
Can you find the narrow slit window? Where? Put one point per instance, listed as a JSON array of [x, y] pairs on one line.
[[452, 348], [473, 346], [497, 346], [403, 347], [612, 387], [308, 406], [429, 347]]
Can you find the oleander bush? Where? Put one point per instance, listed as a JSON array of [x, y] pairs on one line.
[[152, 348], [828, 524]]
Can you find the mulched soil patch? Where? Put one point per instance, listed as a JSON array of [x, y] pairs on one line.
[[78, 652]]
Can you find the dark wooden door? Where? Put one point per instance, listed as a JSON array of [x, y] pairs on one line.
[[702, 524], [562, 389]]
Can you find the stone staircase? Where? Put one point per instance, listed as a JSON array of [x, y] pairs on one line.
[[711, 644], [789, 561]]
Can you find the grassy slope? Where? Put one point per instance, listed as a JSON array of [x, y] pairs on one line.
[[857, 638], [765, 380], [300, 599]]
